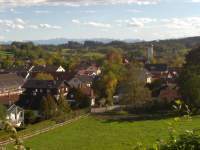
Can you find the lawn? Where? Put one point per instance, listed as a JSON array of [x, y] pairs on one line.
[[96, 134], [28, 130]]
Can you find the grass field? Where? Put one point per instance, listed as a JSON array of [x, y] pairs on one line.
[[96, 134], [29, 129], [4, 53]]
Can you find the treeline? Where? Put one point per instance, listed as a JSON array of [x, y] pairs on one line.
[[171, 52]]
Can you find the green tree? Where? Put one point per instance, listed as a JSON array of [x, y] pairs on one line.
[[2, 112], [39, 62], [63, 105], [189, 80], [44, 76], [110, 81], [136, 93], [48, 107]]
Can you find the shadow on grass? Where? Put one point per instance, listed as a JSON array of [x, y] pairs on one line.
[[109, 117]]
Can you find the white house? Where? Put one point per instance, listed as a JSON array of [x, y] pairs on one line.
[[15, 115]]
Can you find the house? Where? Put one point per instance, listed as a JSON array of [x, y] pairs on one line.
[[157, 68], [169, 94], [35, 90], [92, 70], [15, 115], [20, 71], [146, 76], [81, 81], [157, 71], [84, 84], [45, 87], [10, 88]]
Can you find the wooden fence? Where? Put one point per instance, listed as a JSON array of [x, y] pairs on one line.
[[106, 109], [44, 130]]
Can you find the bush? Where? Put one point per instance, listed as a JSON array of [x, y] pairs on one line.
[[2, 112], [190, 140], [30, 117]]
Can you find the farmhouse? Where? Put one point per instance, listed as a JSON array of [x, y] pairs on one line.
[[10, 88], [44, 87]]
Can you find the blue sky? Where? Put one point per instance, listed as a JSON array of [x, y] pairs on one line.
[[119, 19]]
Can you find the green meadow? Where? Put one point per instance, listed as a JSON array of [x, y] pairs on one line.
[[93, 133]]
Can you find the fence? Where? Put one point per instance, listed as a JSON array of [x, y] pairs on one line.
[[44, 130], [106, 109]]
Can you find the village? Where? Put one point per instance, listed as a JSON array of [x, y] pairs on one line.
[[24, 89]]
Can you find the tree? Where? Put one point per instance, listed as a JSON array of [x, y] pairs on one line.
[[39, 62], [113, 70], [135, 92], [48, 107], [63, 105], [30, 116], [189, 80], [110, 82], [2, 112], [189, 83], [82, 100], [44, 76], [7, 63]]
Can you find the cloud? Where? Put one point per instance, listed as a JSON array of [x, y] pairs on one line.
[[182, 23], [33, 26], [136, 22], [98, 24], [13, 24], [20, 21], [92, 24], [73, 3], [48, 26], [76, 21], [12, 10], [19, 24]]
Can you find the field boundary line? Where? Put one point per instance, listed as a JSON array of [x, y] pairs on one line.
[[6, 142]]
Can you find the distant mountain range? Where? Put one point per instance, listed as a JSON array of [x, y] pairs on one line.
[[58, 41]]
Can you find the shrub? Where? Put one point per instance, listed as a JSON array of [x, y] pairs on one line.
[[30, 117], [190, 140]]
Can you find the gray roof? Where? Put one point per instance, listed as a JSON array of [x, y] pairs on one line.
[[45, 68], [85, 78], [42, 84], [156, 67], [10, 81]]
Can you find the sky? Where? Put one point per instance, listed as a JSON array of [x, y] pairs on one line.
[[81, 19]]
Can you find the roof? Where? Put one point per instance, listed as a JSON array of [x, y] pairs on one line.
[[10, 81], [85, 78], [63, 76], [45, 68], [17, 69], [20, 71], [43, 84], [13, 108], [156, 67]]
